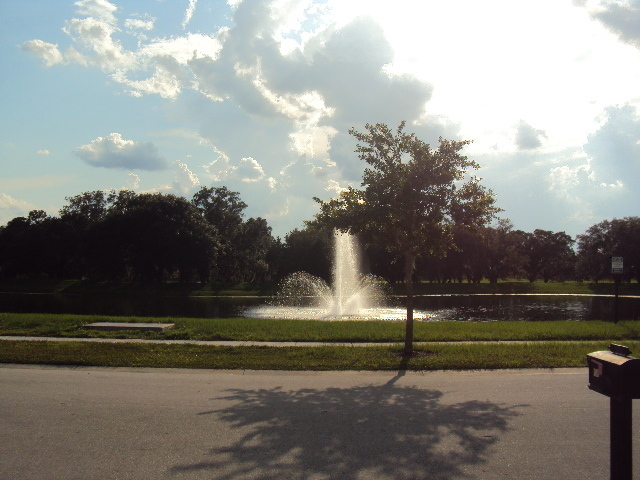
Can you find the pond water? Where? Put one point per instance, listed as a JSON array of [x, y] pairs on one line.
[[431, 307]]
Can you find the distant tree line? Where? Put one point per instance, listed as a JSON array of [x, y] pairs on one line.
[[146, 237], [157, 237]]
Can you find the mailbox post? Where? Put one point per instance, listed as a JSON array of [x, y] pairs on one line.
[[617, 375]]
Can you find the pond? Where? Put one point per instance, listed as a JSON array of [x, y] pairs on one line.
[[432, 307], [527, 307]]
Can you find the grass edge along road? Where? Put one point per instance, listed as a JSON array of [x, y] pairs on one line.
[[432, 356], [538, 344], [259, 330]]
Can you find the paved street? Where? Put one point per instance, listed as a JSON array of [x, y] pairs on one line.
[[108, 423]]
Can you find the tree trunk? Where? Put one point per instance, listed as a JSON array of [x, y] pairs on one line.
[[410, 261]]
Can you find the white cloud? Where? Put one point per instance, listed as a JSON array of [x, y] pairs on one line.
[[133, 182], [614, 148], [275, 93], [527, 137], [115, 152], [164, 81], [184, 179], [564, 179], [100, 9], [621, 16], [220, 169], [138, 23], [618, 185], [183, 49], [335, 188], [189, 13], [11, 208], [246, 170], [48, 52], [95, 33], [43, 152]]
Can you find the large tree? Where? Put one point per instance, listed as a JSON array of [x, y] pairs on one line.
[[412, 196], [155, 235], [244, 244], [617, 237], [547, 255]]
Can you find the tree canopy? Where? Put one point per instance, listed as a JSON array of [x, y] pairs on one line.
[[411, 199]]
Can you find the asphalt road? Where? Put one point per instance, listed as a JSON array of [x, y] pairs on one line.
[[107, 423]]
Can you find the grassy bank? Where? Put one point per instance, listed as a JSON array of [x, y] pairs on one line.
[[251, 329], [434, 356], [539, 344]]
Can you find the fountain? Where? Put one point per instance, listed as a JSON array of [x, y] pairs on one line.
[[353, 296]]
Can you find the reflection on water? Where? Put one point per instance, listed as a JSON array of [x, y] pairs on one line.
[[138, 306], [470, 308], [466, 308]]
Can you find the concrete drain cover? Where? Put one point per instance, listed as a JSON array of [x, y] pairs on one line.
[[144, 327]]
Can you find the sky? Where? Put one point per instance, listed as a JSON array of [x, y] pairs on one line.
[[258, 96]]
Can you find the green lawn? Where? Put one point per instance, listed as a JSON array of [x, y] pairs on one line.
[[252, 329], [433, 356], [545, 344], [537, 344]]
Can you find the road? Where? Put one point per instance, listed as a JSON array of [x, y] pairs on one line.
[[119, 423]]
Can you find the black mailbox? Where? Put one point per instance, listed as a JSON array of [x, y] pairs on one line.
[[614, 373]]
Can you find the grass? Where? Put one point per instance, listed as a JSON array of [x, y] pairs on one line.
[[538, 344], [434, 356], [260, 330], [545, 344]]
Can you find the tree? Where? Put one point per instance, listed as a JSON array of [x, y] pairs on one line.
[[412, 196], [501, 246], [35, 246], [308, 250], [157, 235], [223, 209], [244, 244], [251, 247], [84, 244], [547, 255], [617, 237]]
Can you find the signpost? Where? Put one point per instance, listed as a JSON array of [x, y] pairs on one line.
[[617, 268]]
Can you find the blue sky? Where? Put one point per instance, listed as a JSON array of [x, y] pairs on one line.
[[171, 95]]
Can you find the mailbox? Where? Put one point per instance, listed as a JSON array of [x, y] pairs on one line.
[[614, 373]]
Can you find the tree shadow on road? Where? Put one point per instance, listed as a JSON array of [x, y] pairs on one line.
[[370, 431]]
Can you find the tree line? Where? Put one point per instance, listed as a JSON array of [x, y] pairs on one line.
[[156, 237]]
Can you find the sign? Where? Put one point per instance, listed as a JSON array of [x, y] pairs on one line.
[[616, 265]]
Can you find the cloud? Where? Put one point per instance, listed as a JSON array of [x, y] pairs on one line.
[[137, 23], [600, 180], [308, 97], [43, 152], [133, 182], [565, 178], [622, 18], [288, 81], [189, 13], [48, 52], [184, 179], [527, 137], [247, 170], [11, 208], [614, 149], [94, 32], [115, 152]]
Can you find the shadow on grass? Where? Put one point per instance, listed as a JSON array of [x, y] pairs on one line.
[[370, 431]]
